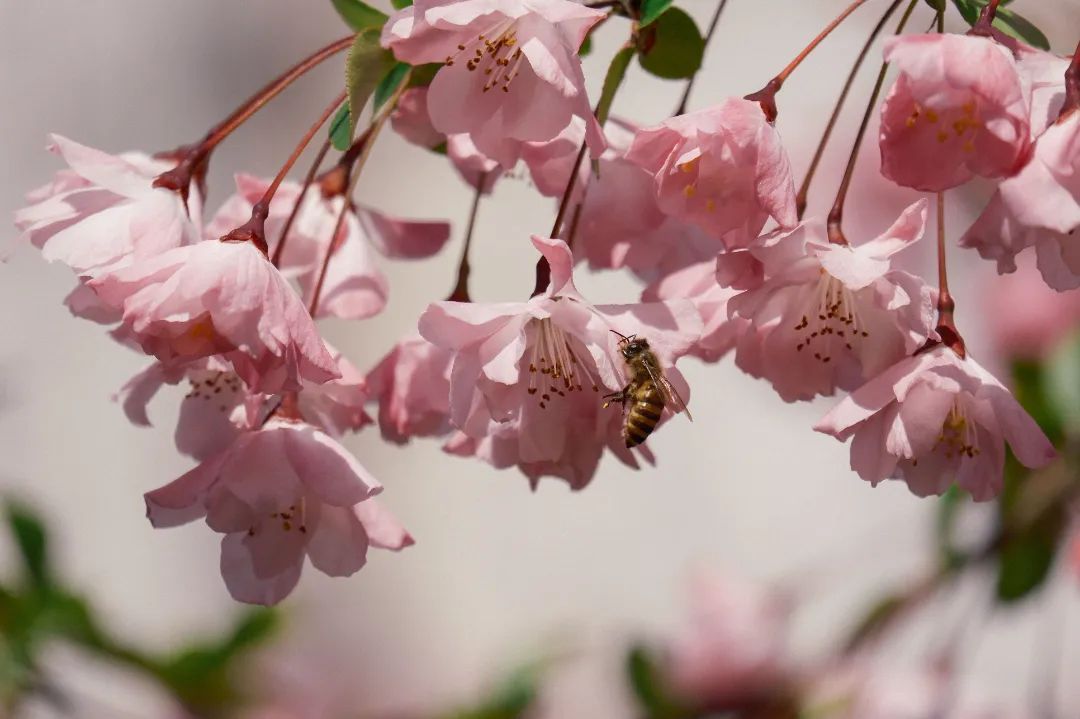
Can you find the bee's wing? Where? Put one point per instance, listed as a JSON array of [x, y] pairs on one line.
[[671, 395]]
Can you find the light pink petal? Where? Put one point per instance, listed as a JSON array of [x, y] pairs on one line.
[[338, 547], [244, 585], [383, 528], [403, 239], [183, 499], [327, 468]]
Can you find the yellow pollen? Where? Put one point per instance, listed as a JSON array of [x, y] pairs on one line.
[[931, 116], [689, 190], [942, 136], [710, 205]]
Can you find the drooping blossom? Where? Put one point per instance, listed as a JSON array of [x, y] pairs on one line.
[[1025, 318], [511, 71], [698, 284], [935, 419], [733, 653], [1044, 73], [279, 494], [528, 378], [412, 386], [355, 287], [620, 222], [958, 109], [219, 298], [827, 316], [218, 406], [722, 168], [102, 212], [476, 168], [1040, 207]]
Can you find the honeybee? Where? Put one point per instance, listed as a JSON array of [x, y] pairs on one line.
[[648, 392]]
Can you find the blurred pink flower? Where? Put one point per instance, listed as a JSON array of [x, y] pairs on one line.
[[103, 212], [734, 649], [511, 71], [698, 284], [828, 316], [219, 298], [935, 419], [476, 168], [1025, 318], [355, 287], [410, 119], [723, 168], [528, 377], [278, 494], [1040, 206], [412, 386], [957, 110]]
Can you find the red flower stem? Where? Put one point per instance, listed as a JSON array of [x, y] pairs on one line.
[[193, 157], [1072, 85], [836, 214], [358, 154], [766, 96], [681, 109], [461, 288], [254, 230], [946, 327], [985, 24], [616, 73], [308, 179], [804, 189]]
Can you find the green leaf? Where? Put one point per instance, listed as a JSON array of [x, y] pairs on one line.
[[389, 84], [365, 67], [615, 73], [512, 698], [1029, 386], [651, 10], [1006, 21], [1021, 28], [399, 4], [342, 128], [1023, 565], [672, 47], [359, 15], [29, 533], [880, 614], [422, 75], [938, 5], [649, 686], [948, 511], [586, 46], [1062, 382]]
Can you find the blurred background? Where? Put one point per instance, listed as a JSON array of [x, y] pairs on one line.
[[499, 573]]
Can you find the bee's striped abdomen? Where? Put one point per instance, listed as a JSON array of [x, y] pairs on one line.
[[646, 406]]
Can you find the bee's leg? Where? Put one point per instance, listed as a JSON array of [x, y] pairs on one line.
[[621, 397]]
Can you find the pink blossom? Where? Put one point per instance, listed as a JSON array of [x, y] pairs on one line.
[[355, 287], [219, 298], [476, 168], [734, 649], [935, 419], [410, 119], [511, 71], [412, 386], [621, 223], [102, 212], [218, 407], [528, 378], [827, 316], [698, 284], [1025, 318], [1044, 73], [1039, 207], [722, 168], [279, 494], [958, 109]]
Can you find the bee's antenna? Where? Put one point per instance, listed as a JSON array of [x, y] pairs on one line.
[[622, 335]]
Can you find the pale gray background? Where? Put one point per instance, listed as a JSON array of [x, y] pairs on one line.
[[498, 570]]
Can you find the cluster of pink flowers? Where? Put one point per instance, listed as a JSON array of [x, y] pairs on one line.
[[701, 206]]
